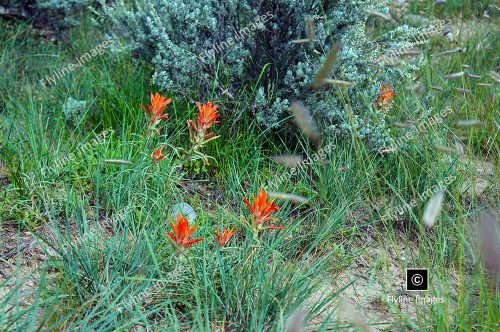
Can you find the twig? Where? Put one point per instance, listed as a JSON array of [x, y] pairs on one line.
[[13, 252]]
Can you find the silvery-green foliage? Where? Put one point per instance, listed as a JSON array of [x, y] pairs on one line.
[[74, 110], [175, 34]]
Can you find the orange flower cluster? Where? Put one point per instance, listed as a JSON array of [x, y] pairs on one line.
[[384, 97], [223, 238], [207, 116], [157, 156], [156, 107], [261, 211], [181, 232]]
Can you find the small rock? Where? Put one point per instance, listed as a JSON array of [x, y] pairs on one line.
[[185, 210]]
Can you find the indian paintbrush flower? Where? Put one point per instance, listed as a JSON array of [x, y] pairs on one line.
[[384, 97], [207, 116], [223, 238], [261, 211], [157, 156], [182, 232], [156, 107]]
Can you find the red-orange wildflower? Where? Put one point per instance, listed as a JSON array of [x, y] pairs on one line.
[[385, 96], [261, 210], [224, 237], [182, 232], [156, 107], [157, 156], [207, 116]]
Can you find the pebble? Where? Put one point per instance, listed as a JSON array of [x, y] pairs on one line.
[[185, 210]]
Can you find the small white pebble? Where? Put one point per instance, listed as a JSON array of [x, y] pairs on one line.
[[184, 209]]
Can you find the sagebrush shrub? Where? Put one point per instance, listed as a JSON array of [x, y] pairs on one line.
[[74, 110], [229, 44]]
